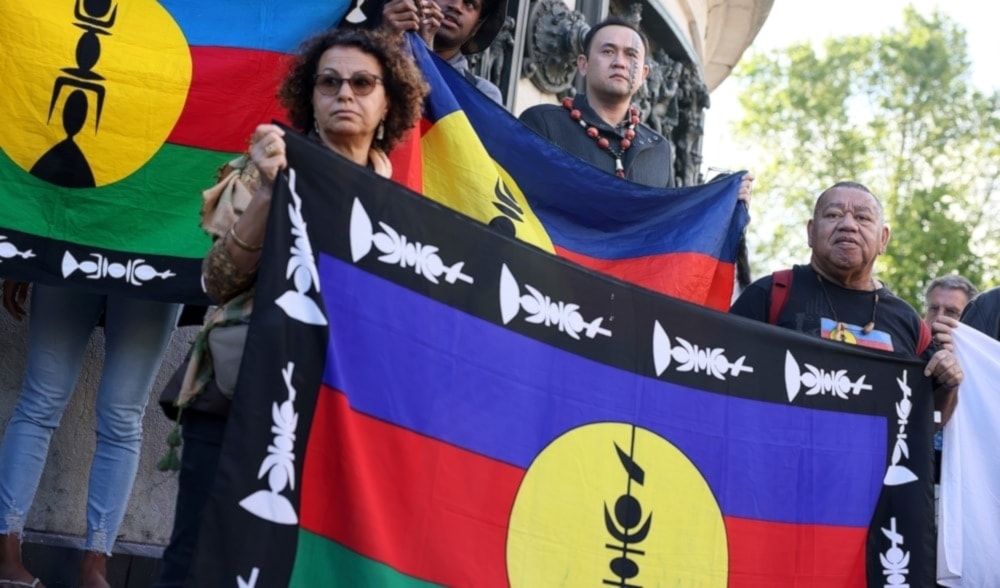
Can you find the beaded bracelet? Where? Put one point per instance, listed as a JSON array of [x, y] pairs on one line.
[[241, 243]]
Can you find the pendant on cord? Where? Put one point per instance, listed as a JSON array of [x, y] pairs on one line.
[[840, 332], [632, 119]]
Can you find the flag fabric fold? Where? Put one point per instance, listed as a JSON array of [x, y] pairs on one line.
[[968, 543], [425, 401]]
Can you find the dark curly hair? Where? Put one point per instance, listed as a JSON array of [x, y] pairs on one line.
[[404, 84]]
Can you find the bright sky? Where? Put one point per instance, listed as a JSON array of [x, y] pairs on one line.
[[793, 21]]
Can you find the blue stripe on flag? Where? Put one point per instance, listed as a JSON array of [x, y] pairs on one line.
[[507, 396], [270, 25]]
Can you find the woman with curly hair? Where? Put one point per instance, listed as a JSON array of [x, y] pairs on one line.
[[355, 92]]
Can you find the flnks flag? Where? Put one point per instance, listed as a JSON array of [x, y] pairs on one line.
[[425, 401], [116, 117], [479, 159]]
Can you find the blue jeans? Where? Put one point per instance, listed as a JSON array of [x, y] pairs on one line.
[[136, 336]]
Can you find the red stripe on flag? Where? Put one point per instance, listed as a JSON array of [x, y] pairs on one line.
[[232, 91], [407, 162], [425, 508], [765, 553], [694, 277]]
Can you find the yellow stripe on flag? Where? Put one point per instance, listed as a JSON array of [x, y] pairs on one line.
[[460, 174]]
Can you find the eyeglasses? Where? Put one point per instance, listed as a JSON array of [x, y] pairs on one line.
[[362, 83]]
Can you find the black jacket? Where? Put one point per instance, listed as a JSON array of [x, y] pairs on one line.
[[649, 161], [983, 313]]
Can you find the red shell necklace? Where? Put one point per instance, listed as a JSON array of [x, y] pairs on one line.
[[603, 143]]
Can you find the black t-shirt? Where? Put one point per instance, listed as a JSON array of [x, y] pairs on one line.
[[815, 308]]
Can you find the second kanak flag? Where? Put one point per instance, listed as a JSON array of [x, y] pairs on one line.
[[480, 160]]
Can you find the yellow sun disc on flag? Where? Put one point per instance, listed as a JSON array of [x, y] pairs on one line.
[[93, 87], [614, 504]]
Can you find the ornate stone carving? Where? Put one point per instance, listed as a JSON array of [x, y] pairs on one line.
[[657, 99], [493, 63], [692, 100], [495, 58], [555, 38]]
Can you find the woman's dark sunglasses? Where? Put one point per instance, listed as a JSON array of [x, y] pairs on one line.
[[362, 83]]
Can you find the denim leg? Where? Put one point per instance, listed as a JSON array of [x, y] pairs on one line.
[[136, 335], [60, 325], [202, 435]]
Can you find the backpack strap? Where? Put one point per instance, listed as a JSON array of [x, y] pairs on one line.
[[924, 339], [781, 285]]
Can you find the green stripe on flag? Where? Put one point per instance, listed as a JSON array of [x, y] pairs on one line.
[[155, 211], [321, 562]]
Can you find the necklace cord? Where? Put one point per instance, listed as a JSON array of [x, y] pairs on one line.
[[594, 133], [840, 332]]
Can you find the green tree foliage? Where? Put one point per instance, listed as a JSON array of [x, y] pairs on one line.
[[896, 111]]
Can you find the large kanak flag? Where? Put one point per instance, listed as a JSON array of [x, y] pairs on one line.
[[476, 158], [116, 117], [425, 401]]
